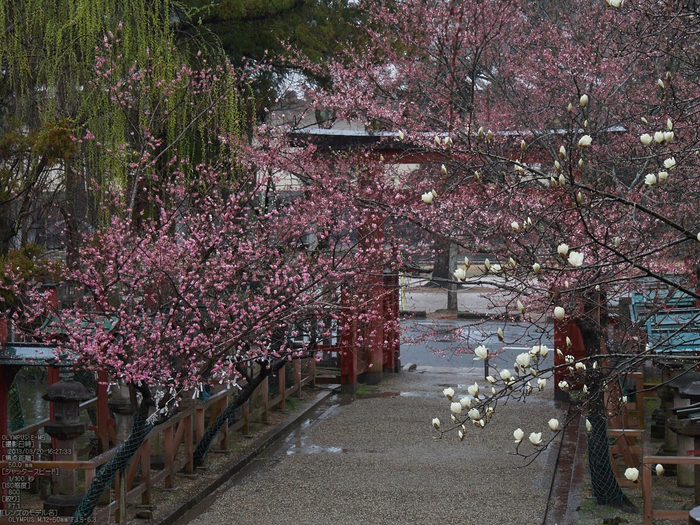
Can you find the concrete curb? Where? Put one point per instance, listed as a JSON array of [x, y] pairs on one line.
[[565, 491], [260, 445]]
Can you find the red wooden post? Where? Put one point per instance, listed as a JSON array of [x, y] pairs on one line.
[[348, 351], [391, 314], [102, 412], [54, 377], [372, 235], [562, 330], [3, 331]]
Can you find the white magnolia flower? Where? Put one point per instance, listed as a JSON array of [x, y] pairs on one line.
[[659, 137], [559, 313], [541, 350], [662, 176], [518, 434], [448, 142], [436, 423], [585, 141], [617, 241], [456, 408], [562, 180], [474, 414], [650, 179], [569, 359], [520, 306], [489, 412], [496, 268], [465, 402], [563, 249], [580, 366], [443, 169], [511, 262], [427, 197], [491, 379], [660, 83], [500, 335], [646, 139], [669, 124], [557, 166], [563, 385], [461, 435], [541, 383], [481, 352], [505, 375], [562, 152], [579, 197], [645, 121], [583, 100], [553, 424], [460, 274], [632, 474], [589, 427], [480, 423], [536, 267], [448, 392], [617, 4], [570, 107], [669, 136], [473, 390], [523, 360], [437, 140], [487, 264], [575, 259], [660, 469], [401, 135], [669, 163], [536, 438], [515, 226]]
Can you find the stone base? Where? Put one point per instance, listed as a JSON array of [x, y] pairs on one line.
[[63, 505], [373, 378]]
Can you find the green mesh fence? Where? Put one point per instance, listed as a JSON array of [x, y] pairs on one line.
[[105, 476], [606, 489], [14, 408]]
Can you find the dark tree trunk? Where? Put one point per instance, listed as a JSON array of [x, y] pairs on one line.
[[606, 489], [119, 462]]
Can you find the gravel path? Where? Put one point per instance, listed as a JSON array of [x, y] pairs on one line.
[[376, 461]]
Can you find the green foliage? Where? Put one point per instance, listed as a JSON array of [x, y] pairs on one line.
[[25, 264], [50, 92], [261, 30]]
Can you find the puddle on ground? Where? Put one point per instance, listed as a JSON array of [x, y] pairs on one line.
[[376, 395], [417, 394]]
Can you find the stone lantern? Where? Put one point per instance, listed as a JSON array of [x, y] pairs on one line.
[[65, 427]]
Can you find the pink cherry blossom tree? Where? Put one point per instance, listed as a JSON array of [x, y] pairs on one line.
[[560, 141]]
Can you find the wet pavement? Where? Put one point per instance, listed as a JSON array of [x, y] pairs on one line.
[[445, 342], [377, 460]]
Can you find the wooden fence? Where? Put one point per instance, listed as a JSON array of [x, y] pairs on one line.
[[176, 440]]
